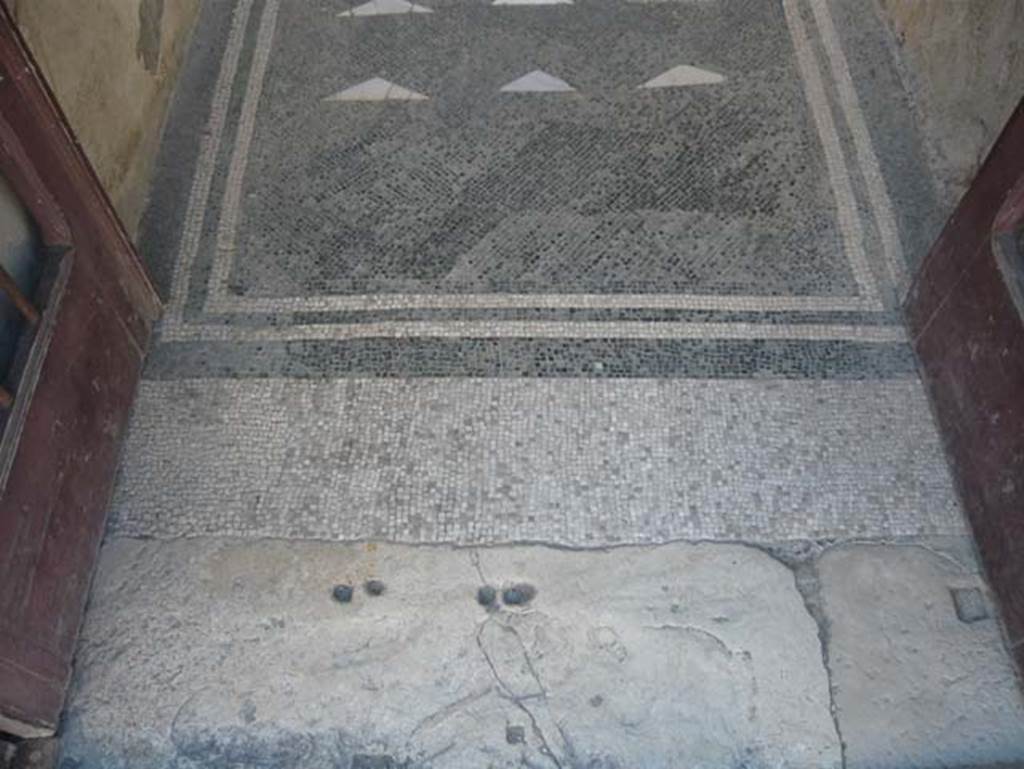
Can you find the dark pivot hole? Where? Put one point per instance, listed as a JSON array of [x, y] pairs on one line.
[[518, 595], [343, 593]]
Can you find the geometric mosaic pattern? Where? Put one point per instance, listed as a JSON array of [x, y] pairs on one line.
[[586, 273], [709, 166]]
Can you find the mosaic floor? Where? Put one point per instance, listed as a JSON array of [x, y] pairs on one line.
[[579, 272]]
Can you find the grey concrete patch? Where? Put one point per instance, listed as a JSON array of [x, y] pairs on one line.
[[215, 653], [970, 604], [913, 684]]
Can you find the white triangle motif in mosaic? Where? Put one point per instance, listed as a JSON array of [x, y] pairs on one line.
[[377, 89], [384, 8], [683, 76], [537, 81]]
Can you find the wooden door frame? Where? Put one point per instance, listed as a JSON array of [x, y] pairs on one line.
[[63, 460]]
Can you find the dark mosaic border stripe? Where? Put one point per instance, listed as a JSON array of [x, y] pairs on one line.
[[592, 358], [893, 122], [161, 228]]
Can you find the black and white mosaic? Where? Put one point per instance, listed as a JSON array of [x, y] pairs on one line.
[[570, 461], [570, 271], [528, 187], [461, 169]]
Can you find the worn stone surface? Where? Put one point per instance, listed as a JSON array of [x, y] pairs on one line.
[[913, 684], [218, 653]]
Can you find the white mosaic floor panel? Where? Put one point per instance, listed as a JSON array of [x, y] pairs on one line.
[[570, 461]]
